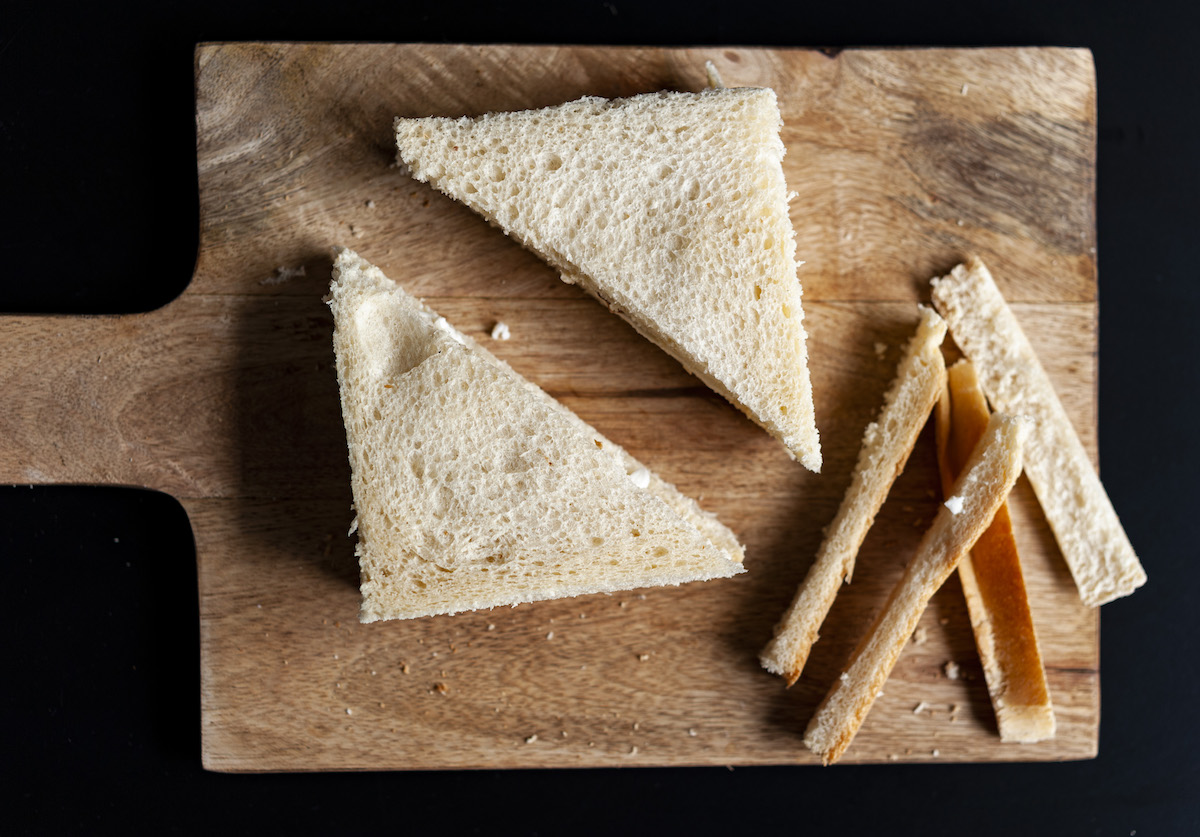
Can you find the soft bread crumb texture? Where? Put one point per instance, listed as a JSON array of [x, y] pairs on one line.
[[1094, 544], [986, 480], [671, 209], [887, 443], [474, 488]]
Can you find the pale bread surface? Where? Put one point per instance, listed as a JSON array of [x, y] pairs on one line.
[[986, 480], [474, 488], [992, 581], [671, 209], [1094, 544], [887, 443]]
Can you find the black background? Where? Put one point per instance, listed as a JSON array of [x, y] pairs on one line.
[[101, 705]]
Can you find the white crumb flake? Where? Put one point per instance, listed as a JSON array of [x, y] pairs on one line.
[[643, 658], [964, 88], [880, 350], [951, 669], [284, 274], [692, 732], [920, 636], [531, 739], [920, 707], [641, 478], [500, 331], [955, 504], [550, 635], [353, 526], [440, 323], [936, 753], [370, 204], [712, 74], [845, 677]]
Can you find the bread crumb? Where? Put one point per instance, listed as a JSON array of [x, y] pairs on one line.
[[711, 72], [284, 274], [641, 478], [349, 711], [880, 350], [441, 688], [564, 733], [955, 504], [531, 739], [920, 636], [844, 677], [633, 751], [643, 657], [692, 732], [404, 668], [491, 627], [893, 757], [936, 753], [920, 707], [550, 635], [500, 331], [637, 725], [353, 526], [370, 204], [964, 90], [951, 669]]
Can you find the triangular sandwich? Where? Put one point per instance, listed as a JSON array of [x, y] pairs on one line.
[[474, 488], [671, 209]]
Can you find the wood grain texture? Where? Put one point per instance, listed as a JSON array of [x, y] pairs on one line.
[[905, 161]]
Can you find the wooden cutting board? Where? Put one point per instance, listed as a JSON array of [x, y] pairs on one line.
[[905, 161]]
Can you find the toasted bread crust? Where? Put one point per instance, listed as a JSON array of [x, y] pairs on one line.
[[993, 468], [992, 581], [1096, 548], [887, 443]]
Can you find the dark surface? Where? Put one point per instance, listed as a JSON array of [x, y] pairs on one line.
[[101, 709]]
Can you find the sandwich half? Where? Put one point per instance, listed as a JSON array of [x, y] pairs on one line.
[[474, 488], [671, 209]]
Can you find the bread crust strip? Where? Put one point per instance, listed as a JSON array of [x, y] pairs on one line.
[[990, 473], [992, 581], [1096, 548], [887, 442]]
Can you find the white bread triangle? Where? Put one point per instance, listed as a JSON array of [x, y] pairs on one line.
[[671, 209], [474, 488]]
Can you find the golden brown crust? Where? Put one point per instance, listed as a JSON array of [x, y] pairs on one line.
[[983, 486], [993, 583], [887, 443]]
